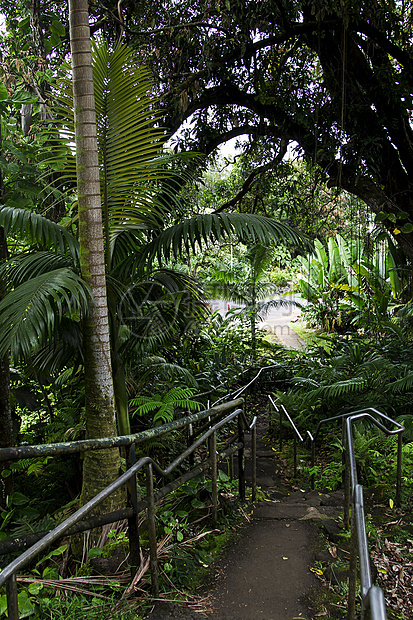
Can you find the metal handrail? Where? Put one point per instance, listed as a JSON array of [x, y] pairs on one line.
[[237, 393], [83, 445], [372, 597], [365, 413], [8, 575], [297, 435], [399, 429]]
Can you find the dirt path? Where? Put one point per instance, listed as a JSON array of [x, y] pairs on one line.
[[267, 574], [277, 321]]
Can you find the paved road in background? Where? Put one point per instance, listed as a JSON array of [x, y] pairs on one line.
[[276, 322]]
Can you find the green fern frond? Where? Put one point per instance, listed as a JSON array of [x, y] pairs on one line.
[[342, 388], [401, 385]]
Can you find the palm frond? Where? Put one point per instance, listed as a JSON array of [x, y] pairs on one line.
[[156, 366], [63, 349], [193, 233], [39, 230], [28, 314], [29, 265], [139, 185]]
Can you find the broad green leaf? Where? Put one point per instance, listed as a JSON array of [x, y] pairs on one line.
[[18, 499], [58, 27], [3, 605], [380, 217], [26, 607], [407, 228], [94, 552], [3, 93], [55, 552], [35, 588], [23, 96]]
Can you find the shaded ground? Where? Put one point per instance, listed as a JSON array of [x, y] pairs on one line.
[[267, 574]]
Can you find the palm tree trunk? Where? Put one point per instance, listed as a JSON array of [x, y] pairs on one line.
[[100, 467], [253, 322], [6, 425]]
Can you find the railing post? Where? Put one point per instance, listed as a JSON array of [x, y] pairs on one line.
[[152, 530], [254, 462], [12, 600], [347, 483], [343, 453], [351, 603], [212, 442], [399, 470], [281, 428], [241, 470], [312, 463], [133, 527], [295, 456], [231, 467], [190, 442]]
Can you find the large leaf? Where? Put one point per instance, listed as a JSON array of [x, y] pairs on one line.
[[335, 270], [39, 230], [138, 184], [29, 313], [26, 266], [321, 254], [200, 230]]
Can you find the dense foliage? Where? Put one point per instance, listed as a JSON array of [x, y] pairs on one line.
[[334, 78], [329, 81]]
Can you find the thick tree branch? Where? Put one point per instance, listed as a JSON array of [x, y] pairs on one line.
[[252, 178]]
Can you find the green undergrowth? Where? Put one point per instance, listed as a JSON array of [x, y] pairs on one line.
[[389, 528], [59, 586]]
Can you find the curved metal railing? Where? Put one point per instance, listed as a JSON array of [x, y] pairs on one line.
[[8, 575], [372, 597]]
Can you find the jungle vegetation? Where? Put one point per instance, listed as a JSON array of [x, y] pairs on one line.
[[316, 199]]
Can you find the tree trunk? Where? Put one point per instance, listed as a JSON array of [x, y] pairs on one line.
[[102, 466], [253, 321], [6, 426]]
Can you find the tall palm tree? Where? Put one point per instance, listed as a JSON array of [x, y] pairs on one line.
[[140, 192], [100, 468], [139, 204]]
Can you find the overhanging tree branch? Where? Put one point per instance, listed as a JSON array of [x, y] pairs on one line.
[[252, 178]]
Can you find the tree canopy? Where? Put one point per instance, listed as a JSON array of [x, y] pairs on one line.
[[334, 78]]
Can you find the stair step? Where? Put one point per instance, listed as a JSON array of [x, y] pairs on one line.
[[280, 510]]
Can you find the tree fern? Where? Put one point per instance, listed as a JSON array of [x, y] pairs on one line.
[[165, 404]]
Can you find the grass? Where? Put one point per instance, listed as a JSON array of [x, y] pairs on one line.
[[312, 337]]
